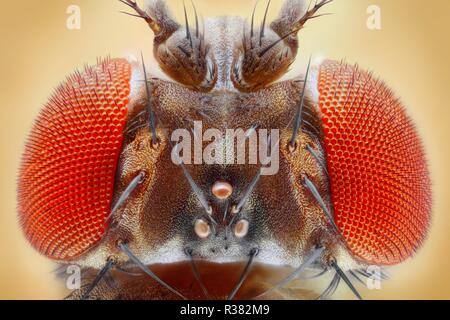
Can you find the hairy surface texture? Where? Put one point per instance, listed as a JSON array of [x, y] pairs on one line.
[[100, 186]]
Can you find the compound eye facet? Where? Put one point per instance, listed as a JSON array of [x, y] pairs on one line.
[[380, 185], [66, 180]]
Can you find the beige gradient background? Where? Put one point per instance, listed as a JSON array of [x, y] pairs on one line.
[[410, 53]]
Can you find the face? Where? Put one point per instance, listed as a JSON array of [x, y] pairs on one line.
[[164, 220], [223, 183]]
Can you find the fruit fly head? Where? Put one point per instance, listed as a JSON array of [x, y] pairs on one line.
[[99, 185]]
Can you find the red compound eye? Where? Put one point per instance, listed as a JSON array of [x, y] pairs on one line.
[[67, 175], [379, 179]]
